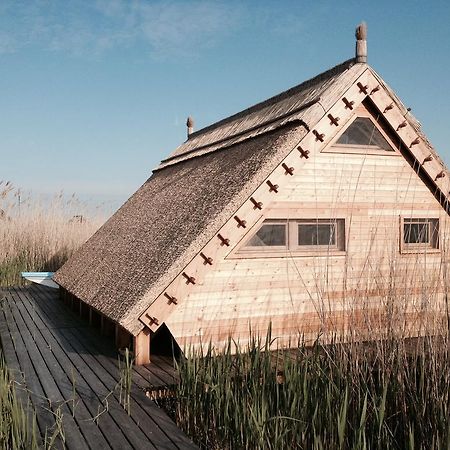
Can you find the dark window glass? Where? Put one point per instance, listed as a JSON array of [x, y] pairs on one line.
[[269, 235], [364, 132], [420, 233], [416, 233], [317, 234]]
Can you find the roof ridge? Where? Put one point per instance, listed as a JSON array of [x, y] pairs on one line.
[[180, 156], [169, 162], [276, 98]]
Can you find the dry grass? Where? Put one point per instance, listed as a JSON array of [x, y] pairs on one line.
[[40, 235]]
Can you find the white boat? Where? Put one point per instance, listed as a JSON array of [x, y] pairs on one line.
[[45, 278]]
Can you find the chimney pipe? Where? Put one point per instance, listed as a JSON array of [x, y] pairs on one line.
[[361, 43], [190, 126]]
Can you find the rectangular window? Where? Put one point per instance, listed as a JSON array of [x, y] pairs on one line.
[[321, 234], [420, 234], [317, 234], [297, 236]]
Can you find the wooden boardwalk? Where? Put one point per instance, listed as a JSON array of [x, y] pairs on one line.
[[67, 369]]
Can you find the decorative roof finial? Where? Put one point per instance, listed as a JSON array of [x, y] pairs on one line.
[[190, 126], [361, 43]]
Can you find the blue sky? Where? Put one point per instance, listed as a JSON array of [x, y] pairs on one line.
[[94, 93]]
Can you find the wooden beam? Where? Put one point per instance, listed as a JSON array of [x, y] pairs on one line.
[[84, 310], [122, 337], [106, 326], [95, 318], [141, 345]]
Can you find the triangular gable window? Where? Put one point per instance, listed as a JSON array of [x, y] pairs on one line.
[[364, 133]]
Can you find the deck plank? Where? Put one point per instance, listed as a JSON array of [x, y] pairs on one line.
[[50, 385], [102, 383], [158, 375], [71, 382], [44, 415], [60, 356], [110, 365], [14, 368], [142, 409]]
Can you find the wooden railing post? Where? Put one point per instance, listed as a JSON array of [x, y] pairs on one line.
[[142, 347]]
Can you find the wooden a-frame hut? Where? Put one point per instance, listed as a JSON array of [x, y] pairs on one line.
[[301, 212]]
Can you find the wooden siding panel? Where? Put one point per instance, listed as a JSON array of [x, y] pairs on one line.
[[293, 293]]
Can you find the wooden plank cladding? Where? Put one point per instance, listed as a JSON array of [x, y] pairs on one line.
[[319, 294]]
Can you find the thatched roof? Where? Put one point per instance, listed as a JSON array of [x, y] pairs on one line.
[[157, 231], [160, 229]]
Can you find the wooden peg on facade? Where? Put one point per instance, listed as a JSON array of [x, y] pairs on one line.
[[303, 153], [273, 187], [375, 89], [388, 108], [348, 104], [402, 125], [241, 223], [223, 241], [333, 120], [171, 299], [256, 205], [206, 259], [152, 320], [362, 88], [427, 159], [288, 170], [414, 142], [319, 136], [189, 280], [440, 175]]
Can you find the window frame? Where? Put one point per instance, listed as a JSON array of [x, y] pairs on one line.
[[292, 247], [263, 248], [338, 246], [334, 147], [433, 244]]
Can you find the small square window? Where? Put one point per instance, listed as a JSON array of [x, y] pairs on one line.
[[420, 234]]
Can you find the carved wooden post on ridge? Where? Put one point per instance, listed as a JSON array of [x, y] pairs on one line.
[[361, 43]]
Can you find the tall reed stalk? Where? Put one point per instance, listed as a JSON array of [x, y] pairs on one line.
[[125, 380]]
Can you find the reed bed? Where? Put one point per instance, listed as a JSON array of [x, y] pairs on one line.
[[391, 394], [39, 235]]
